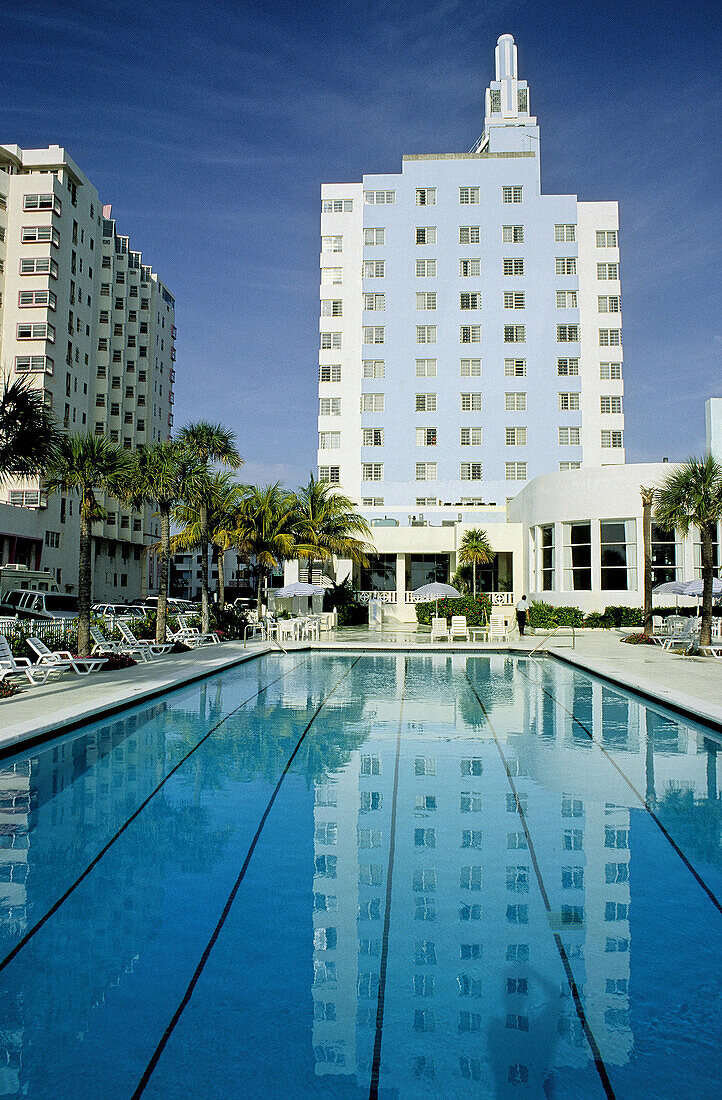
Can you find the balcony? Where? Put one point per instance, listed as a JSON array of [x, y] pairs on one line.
[[28, 498], [172, 354], [172, 375]]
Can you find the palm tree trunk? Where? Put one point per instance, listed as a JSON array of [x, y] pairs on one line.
[[205, 613], [84, 575], [221, 580], [473, 573], [705, 634], [162, 615], [259, 599]]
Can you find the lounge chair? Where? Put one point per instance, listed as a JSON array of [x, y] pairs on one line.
[[200, 639], [439, 629], [83, 666], [102, 645], [10, 665], [686, 637], [458, 628], [713, 650], [498, 629], [155, 649]]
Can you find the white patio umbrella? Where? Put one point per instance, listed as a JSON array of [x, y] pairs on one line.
[[299, 588], [673, 588], [435, 590], [694, 588]]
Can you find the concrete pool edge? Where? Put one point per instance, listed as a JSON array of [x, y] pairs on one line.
[[161, 678]]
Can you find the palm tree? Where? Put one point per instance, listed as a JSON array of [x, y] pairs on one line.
[[158, 476], [207, 443], [647, 495], [267, 530], [225, 498], [327, 521], [84, 464], [692, 495], [27, 431], [475, 549]]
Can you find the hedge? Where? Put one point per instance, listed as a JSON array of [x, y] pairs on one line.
[[475, 610], [546, 616]]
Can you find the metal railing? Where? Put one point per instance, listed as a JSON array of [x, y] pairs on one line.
[[552, 634]]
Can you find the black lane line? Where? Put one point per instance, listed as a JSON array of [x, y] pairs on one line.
[[596, 1053], [707, 889], [148, 1072], [380, 1004], [106, 847]]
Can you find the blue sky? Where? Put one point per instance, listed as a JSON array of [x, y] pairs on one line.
[[211, 124]]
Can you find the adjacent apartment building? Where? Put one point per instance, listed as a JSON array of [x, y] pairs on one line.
[[91, 326], [470, 326]]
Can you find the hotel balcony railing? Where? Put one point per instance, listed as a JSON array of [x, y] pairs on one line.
[[497, 598], [373, 594], [28, 498]]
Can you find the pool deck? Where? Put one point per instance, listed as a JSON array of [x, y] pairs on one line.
[[691, 685]]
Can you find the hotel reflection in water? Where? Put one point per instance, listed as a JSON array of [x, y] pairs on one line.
[[476, 996]]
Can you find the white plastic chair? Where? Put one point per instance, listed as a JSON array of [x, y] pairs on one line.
[[63, 660], [10, 665], [153, 648], [458, 628], [498, 628], [439, 629]]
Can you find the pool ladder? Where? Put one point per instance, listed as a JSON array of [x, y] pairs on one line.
[[555, 631]]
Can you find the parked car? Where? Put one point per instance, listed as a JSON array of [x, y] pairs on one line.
[[118, 610], [39, 605]]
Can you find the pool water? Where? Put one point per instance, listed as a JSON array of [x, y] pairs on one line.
[[393, 875]]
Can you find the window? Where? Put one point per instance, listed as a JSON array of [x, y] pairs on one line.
[[515, 437], [374, 334], [610, 371], [425, 802], [372, 437], [569, 466], [469, 234], [515, 368], [565, 265], [374, 368], [470, 368], [469, 301], [372, 502], [572, 807], [512, 234], [40, 233], [426, 196], [330, 341], [39, 265], [42, 202], [426, 368], [511, 194], [515, 471], [426, 437], [372, 471], [337, 206], [606, 238], [612, 439], [332, 307], [514, 402], [329, 372], [426, 299], [469, 267], [578, 569], [426, 234], [426, 471], [425, 765], [569, 402], [379, 198], [513, 299], [471, 437], [567, 333], [374, 237], [547, 557], [514, 334], [470, 334], [374, 301], [610, 404], [372, 402], [468, 196], [607, 271], [471, 471], [568, 366], [470, 878], [566, 299], [511, 266], [332, 244], [609, 303], [426, 334], [329, 441], [373, 269], [565, 232], [610, 337], [33, 364], [37, 298], [35, 332], [425, 402], [471, 402], [331, 474], [569, 437], [426, 269]]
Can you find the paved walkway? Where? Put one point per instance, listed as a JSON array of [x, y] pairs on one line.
[[690, 684]]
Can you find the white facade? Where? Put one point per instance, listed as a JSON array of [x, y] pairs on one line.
[[92, 327], [470, 329]]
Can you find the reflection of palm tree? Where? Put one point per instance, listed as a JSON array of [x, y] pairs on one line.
[[650, 793], [694, 823]]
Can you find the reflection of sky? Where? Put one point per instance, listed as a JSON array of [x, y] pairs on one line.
[[476, 998]]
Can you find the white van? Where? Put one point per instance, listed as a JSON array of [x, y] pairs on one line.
[[39, 605], [14, 577]]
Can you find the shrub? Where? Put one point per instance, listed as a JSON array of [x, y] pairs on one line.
[[342, 599], [7, 690], [542, 616], [638, 639], [625, 616], [476, 610], [116, 661], [598, 619]]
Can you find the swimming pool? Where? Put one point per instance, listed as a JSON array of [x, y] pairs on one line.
[[405, 875]]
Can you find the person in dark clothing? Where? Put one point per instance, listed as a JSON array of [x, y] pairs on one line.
[[521, 612]]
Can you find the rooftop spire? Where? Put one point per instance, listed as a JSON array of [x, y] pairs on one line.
[[507, 101]]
